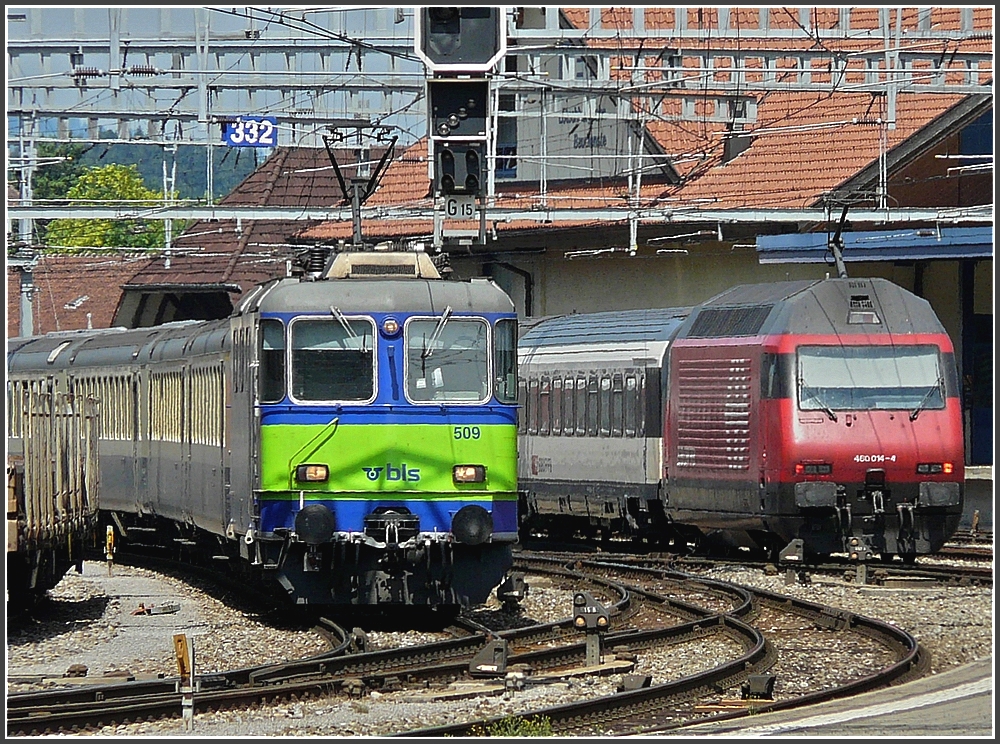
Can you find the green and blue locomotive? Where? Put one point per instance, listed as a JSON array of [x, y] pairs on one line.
[[349, 435]]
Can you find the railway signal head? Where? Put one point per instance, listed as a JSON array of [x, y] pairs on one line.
[[588, 613], [458, 107], [458, 168], [470, 39]]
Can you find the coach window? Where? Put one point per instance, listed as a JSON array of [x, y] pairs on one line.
[[592, 406], [557, 405], [568, 412], [617, 405], [522, 402], [605, 416], [581, 406], [333, 359], [272, 361], [533, 406], [505, 360], [544, 406], [631, 406]]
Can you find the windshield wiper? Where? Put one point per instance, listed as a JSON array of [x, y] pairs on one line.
[[429, 344], [927, 396], [819, 403], [347, 326]]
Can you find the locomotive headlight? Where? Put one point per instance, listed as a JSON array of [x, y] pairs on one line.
[[813, 468], [390, 326], [312, 473], [468, 473], [934, 468]]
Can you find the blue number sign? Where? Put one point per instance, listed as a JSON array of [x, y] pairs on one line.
[[251, 131]]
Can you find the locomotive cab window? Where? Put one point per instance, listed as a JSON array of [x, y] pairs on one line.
[[272, 361], [869, 377], [333, 360], [505, 364], [447, 359]]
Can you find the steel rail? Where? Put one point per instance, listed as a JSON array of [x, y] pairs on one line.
[[622, 711]]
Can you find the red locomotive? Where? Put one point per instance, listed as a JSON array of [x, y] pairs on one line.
[[825, 411]]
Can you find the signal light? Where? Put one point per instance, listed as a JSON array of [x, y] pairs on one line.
[[446, 173], [588, 613], [458, 172], [472, 171], [441, 15], [466, 39]]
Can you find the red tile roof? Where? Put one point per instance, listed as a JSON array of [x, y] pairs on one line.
[[225, 252], [808, 145], [68, 288]]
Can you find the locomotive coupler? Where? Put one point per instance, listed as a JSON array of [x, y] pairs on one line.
[[312, 560], [878, 502], [906, 536], [844, 519]]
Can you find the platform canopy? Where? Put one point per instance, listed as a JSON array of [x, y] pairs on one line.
[[910, 244]]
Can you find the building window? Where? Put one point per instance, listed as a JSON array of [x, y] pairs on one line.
[[506, 163]]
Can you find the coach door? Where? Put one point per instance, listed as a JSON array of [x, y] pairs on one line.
[[242, 436]]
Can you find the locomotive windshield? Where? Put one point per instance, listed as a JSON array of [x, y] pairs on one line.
[[333, 359], [869, 377], [447, 359]]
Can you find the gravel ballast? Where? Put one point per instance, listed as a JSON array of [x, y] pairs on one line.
[[90, 621]]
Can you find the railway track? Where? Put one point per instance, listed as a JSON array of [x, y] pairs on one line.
[[71, 710], [652, 607], [671, 705]]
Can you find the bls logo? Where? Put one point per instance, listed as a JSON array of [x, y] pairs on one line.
[[393, 473]]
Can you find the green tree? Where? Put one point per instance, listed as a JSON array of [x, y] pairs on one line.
[[111, 185], [62, 165], [54, 180]]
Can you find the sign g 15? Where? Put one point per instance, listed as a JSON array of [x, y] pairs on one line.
[[251, 131]]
